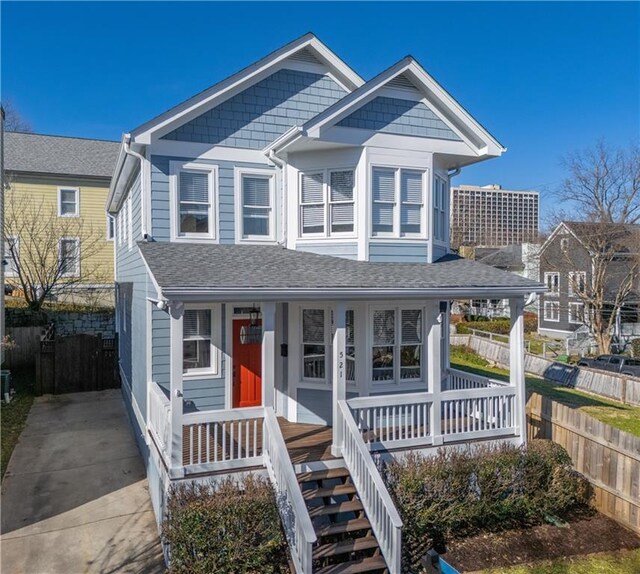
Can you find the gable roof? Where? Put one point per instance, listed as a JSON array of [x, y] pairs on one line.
[[405, 73], [59, 155], [306, 48], [227, 270], [626, 234]]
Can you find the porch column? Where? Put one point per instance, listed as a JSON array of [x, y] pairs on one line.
[[339, 373], [176, 313], [516, 364], [434, 368], [268, 311]]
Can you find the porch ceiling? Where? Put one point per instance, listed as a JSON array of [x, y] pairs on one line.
[[219, 271]]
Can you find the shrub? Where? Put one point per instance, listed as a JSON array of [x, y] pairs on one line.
[[635, 347], [460, 493], [498, 326], [225, 527]]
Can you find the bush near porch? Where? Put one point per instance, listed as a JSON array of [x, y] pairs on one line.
[[456, 494], [227, 527], [497, 326]]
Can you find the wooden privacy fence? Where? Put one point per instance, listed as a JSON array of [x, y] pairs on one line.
[[26, 344], [609, 458], [619, 387], [76, 363]]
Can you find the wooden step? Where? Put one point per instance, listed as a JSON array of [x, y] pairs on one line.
[[350, 506], [345, 547], [373, 564], [336, 490], [323, 474], [342, 527]]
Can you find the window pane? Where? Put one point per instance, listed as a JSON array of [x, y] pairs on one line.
[[342, 186], [68, 202], [255, 221], [194, 187], [312, 188], [256, 191], [197, 323], [313, 218], [410, 216], [350, 326], [382, 218], [410, 362], [411, 326], [313, 326], [349, 346], [313, 361], [342, 217], [384, 327], [68, 257], [196, 354], [384, 185], [382, 364], [194, 218], [411, 186]]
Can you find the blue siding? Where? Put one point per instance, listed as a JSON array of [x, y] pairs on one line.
[[314, 406], [346, 250], [398, 252], [261, 113], [160, 350], [160, 196], [439, 251], [395, 116]]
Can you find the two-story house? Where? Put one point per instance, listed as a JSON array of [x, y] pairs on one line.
[[581, 262], [283, 286], [55, 224]]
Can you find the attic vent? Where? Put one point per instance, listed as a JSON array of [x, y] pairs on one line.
[[401, 81], [305, 55]]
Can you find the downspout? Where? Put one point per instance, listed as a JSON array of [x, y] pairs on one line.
[[281, 164], [143, 211]]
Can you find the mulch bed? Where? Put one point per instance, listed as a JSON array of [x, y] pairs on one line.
[[583, 535]]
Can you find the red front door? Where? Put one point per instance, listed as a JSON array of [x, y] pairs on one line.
[[247, 365]]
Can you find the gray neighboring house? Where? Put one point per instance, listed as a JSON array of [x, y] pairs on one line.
[[283, 282]]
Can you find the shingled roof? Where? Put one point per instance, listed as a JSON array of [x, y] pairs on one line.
[[37, 153], [192, 267]]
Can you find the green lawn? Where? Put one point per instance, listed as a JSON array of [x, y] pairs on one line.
[[623, 417], [14, 415], [623, 562]]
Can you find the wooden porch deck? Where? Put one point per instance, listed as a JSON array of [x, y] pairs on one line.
[[306, 442]]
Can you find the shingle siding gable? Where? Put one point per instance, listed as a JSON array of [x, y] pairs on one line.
[[398, 116], [263, 112]]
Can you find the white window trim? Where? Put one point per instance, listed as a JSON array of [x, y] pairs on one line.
[[77, 192], [581, 307], [175, 167], [239, 173], [9, 260], [216, 342], [326, 202], [76, 272], [546, 282], [550, 304], [397, 382], [572, 278], [441, 208], [397, 204], [111, 220]]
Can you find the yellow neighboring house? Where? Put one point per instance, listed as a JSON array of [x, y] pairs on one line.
[[55, 210]]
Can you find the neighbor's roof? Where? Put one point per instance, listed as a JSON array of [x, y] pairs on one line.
[[506, 257], [59, 155], [625, 235], [183, 268]]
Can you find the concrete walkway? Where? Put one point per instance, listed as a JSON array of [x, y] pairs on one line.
[[75, 497]]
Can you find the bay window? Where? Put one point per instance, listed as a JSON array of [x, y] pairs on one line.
[[327, 202]]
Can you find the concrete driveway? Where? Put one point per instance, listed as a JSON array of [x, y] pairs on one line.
[[75, 497]]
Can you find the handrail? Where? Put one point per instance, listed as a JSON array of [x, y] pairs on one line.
[[384, 400], [477, 393], [374, 496], [202, 417], [488, 381], [293, 510]]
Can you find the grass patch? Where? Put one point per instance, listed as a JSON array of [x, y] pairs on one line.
[[14, 415], [623, 562], [616, 414]]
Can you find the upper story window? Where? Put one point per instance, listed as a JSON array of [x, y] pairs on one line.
[[256, 209], [439, 209], [111, 227], [10, 256], [68, 201], [327, 203], [69, 257], [552, 281], [577, 283], [398, 202], [193, 191]]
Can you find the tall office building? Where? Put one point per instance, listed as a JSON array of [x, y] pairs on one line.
[[490, 216]]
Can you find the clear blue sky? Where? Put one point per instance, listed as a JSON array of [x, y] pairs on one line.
[[545, 78]]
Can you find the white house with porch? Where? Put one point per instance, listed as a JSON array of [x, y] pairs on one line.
[[283, 287]]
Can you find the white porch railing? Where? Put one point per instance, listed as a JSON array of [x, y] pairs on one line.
[[478, 413], [293, 510], [159, 418], [460, 380], [393, 421], [384, 518], [222, 440]]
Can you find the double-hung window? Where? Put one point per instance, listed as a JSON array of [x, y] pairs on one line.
[[10, 256], [398, 202], [193, 201], [327, 202], [68, 201], [396, 354], [198, 351], [552, 311], [439, 209], [576, 313], [256, 210], [552, 281], [577, 283], [69, 257]]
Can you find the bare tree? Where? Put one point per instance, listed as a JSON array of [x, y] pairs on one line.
[[14, 122], [603, 186], [42, 252]]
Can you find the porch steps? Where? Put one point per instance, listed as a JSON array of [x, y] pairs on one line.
[[346, 543]]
